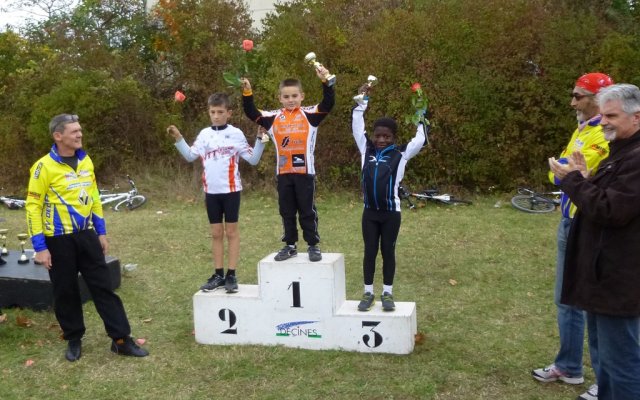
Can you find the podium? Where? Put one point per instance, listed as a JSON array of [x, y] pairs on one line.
[[302, 304]]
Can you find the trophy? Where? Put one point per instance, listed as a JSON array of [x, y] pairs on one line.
[[371, 82], [3, 237], [311, 60], [22, 237], [3, 250]]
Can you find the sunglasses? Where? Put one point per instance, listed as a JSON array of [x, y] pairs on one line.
[[60, 121], [579, 96]]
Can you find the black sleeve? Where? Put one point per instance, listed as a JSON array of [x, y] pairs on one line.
[[252, 112], [325, 106]]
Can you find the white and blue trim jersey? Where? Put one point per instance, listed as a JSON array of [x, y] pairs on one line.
[[61, 200], [382, 169]]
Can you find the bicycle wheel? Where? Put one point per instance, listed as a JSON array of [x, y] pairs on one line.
[[131, 204], [454, 201], [532, 204]]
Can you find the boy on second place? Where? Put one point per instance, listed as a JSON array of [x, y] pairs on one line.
[[293, 130], [220, 147]]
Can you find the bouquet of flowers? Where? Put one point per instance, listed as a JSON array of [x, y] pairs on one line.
[[420, 103], [233, 78]]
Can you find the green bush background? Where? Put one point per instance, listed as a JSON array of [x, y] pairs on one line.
[[497, 73]]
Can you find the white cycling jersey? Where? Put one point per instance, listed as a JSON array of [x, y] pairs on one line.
[[220, 149]]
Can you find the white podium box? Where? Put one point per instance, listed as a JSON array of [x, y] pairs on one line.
[[298, 303]]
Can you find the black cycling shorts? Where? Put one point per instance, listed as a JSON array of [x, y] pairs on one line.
[[227, 204]]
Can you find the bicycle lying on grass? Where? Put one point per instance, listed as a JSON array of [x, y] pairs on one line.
[[532, 202], [429, 195], [13, 202], [124, 200]]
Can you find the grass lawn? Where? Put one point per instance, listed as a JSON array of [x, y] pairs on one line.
[[481, 276]]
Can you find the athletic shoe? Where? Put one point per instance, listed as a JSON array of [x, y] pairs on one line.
[[286, 253], [368, 300], [231, 284], [74, 350], [314, 253], [127, 347], [591, 394], [212, 283], [552, 374], [387, 302]]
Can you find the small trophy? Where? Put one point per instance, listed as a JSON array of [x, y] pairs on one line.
[[371, 82], [311, 60], [22, 237], [3, 237]]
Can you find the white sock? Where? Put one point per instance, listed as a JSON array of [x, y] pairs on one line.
[[368, 288], [387, 288]]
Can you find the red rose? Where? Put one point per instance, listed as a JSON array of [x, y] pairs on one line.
[[179, 96], [247, 45], [415, 87]]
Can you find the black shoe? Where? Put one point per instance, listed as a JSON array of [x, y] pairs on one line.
[[368, 300], [127, 347], [213, 283], [314, 253], [387, 302], [231, 284], [286, 253], [74, 350]]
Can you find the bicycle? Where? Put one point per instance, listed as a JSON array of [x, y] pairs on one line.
[[13, 202], [124, 200], [430, 195], [538, 203]]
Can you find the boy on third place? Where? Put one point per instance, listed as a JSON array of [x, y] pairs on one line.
[[220, 147], [293, 130], [383, 163]]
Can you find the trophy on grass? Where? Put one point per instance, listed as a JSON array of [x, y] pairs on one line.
[[22, 237], [310, 59], [3, 246], [360, 97]]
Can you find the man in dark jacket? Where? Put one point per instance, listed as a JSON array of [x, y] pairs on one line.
[[602, 267]]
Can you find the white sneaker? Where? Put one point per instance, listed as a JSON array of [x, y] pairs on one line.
[[552, 374], [591, 394]]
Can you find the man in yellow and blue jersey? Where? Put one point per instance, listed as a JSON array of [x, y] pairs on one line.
[[68, 233], [589, 139]]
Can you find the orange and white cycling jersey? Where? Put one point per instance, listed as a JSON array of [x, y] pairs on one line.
[[294, 132]]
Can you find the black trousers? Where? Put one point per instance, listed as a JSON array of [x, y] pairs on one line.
[[81, 252], [380, 231], [296, 193]]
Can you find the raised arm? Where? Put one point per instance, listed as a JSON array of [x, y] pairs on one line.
[[358, 126], [250, 109], [187, 152], [418, 141]]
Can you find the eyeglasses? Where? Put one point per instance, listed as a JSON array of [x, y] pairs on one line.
[[579, 96]]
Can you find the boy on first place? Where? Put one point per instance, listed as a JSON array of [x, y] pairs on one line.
[[293, 130]]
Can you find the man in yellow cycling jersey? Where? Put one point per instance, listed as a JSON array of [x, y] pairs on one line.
[[588, 139], [68, 233]]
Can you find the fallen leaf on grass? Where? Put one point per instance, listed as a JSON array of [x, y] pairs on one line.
[[28, 363], [3, 318], [419, 338], [147, 320], [453, 282], [23, 321], [141, 341]]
